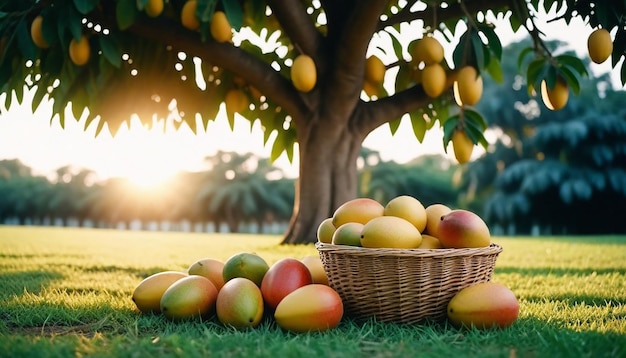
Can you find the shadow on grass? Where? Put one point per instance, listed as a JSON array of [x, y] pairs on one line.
[[16, 283]]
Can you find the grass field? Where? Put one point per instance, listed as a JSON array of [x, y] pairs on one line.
[[67, 292]]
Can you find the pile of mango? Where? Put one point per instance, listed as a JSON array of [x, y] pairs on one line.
[[241, 291], [404, 223]]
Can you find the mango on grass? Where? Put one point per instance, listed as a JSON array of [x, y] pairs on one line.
[[209, 268], [240, 303], [147, 295], [192, 296], [316, 267], [313, 307], [245, 264], [283, 277], [483, 305]]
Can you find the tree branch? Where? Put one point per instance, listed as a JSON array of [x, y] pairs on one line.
[[347, 58], [292, 16], [392, 107], [256, 72]]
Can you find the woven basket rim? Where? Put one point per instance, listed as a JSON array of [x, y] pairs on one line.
[[492, 249]]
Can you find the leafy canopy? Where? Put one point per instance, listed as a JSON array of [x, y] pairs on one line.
[[156, 68]]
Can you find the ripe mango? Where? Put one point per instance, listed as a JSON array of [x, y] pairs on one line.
[[304, 73], [325, 231], [430, 242], [374, 70], [220, 27], [316, 267], [192, 296], [147, 295], [434, 212], [468, 87], [284, 277], [240, 303], [348, 234], [245, 264], [408, 208], [434, 80], [390, 232], [463, 229], [462, 146], [209, 268], [427, 50], [599, 45], [555, 98], [483, 305], [359, 210], [313, 307]]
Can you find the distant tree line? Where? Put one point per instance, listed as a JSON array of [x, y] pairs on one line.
[[237, 193]]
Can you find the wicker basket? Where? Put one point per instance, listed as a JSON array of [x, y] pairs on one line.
[[404, 286]]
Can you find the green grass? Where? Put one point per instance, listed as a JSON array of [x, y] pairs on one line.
[[66, 292]]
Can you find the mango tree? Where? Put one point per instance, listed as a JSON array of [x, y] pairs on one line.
[[311, 72]]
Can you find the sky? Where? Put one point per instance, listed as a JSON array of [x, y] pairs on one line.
[[151, 156]]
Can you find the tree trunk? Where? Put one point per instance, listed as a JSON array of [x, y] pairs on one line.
[[328, 178]]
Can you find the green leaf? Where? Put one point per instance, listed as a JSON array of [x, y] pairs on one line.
[[522, 56], [141, 4], [515, 23], [475, 118], [574, 62], [90, 118], [125, 12], [494, 44], [394, 125], [551, 76], [570, 77], [419, 126], [448, 129], [85, 6], [205, 10], [111, 49], [74, 23], [495, 70], [100, 126], [279, 145], [48, 30], [38, 96], [477, 47], [24, 41], [460, 54], [536, 72], [476, 136], [234, 13], [289, 143]]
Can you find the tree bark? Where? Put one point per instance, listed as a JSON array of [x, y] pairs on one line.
[[328, 177]]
